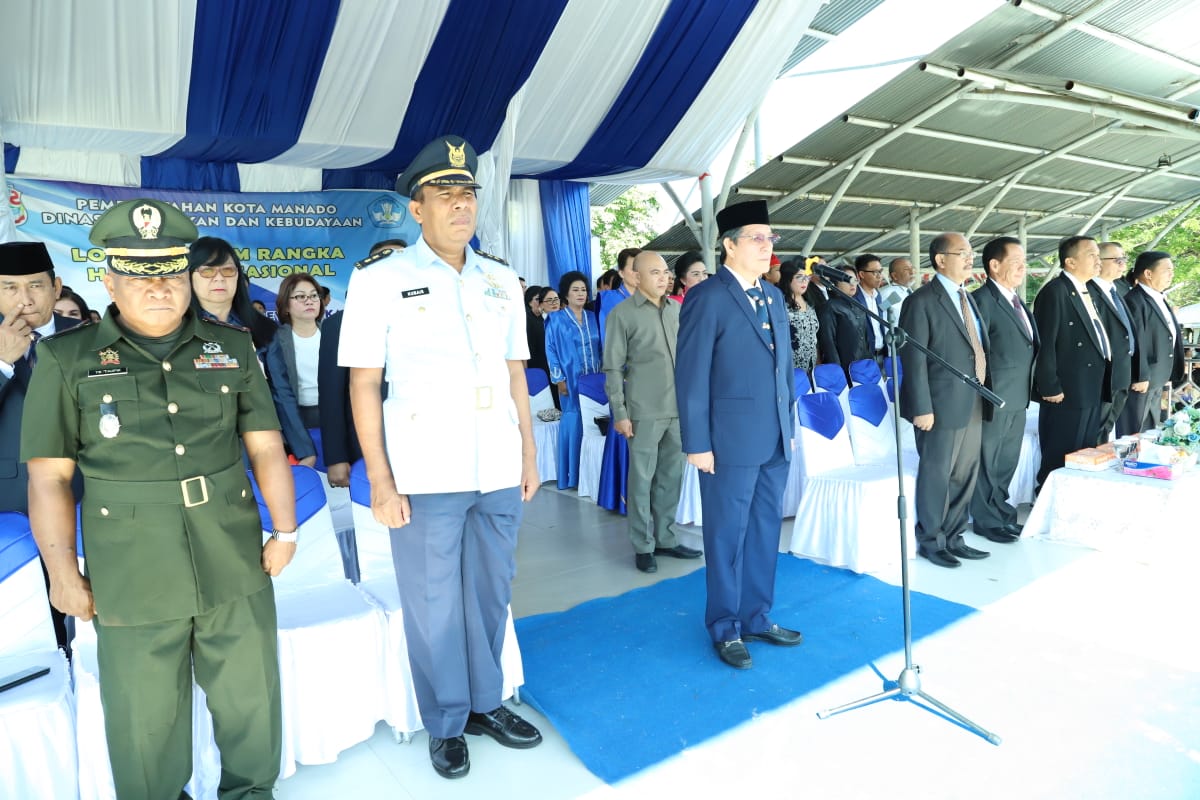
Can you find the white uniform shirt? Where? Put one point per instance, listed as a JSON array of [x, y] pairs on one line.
[[450, 424]]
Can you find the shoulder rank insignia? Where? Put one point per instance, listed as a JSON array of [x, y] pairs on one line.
[[371, 259], [497, 259], [228, 325]]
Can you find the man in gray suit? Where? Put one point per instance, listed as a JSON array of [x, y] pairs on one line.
[[945, 412], [1013, 337], [639, 377]]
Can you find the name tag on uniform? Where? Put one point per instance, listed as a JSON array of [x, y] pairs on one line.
[[100, 373], [414, 292]]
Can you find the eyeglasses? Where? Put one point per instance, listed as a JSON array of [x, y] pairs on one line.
[[965, 255], [212, 272], [761, 238], [870, 272], [1118, 259], [312, 297], [550, 301]]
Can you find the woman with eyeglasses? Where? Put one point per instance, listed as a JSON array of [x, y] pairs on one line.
[[292, 363], [572, 350], [802, 317], [689, 270], [221, 290]]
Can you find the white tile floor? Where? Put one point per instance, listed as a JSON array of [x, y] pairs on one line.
[[1086, 665]]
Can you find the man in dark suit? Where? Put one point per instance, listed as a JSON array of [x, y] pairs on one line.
[[1013, 343], [817, 293], [1073, 371], [946, 413], [734, 387], [843, 329], [1158, 359], [28, 289], [1120, 332], [869, 271]]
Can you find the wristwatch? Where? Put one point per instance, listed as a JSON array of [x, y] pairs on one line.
[[287, 537]]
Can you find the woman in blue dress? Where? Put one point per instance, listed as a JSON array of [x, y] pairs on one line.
[[572, 350]]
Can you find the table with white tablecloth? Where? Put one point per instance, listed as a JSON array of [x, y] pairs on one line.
[[1146, 518]]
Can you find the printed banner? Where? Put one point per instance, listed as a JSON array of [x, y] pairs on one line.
[[274, 234]]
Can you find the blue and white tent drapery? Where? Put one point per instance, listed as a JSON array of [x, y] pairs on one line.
[[300, 95]]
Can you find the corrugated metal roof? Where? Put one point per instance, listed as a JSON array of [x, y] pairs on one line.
[[833, 18], [966, 139]]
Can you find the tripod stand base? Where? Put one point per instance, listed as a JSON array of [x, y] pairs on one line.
[[908, 687]]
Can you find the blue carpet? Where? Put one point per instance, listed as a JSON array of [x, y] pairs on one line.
[[631, 680]]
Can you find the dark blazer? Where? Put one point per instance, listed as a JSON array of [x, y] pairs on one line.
[[14, 478], [1013, 350], [861, 297], [1071, 361], [735, 394], [1156, 358], [339, 440], [535, 334], [814, 296], [842, 335], [1122, 339], [281, 366], [930, 318]]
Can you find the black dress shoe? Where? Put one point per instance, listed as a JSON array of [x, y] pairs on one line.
[[734, 654], [678, 551], [940, 557], [963, 550], [505, 727], [776, 635], [997, 535], [449, 756], [1014, 529], [646, 562]]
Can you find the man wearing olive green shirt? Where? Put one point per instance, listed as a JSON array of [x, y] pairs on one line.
[[639, 377], [154, 405]]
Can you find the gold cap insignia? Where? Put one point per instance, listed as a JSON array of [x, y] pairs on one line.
[[146, 220], [110, 357], [457, 155]]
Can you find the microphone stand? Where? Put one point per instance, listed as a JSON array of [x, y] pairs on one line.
[[908, 684]]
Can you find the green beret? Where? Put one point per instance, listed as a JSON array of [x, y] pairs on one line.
[[144, 238], [446, 161]]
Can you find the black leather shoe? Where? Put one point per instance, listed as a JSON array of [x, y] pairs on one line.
[[505, 727], [646, 562], [1014, 529], [678, 551], [940, 557], [997, 535], [734, 654], [775, 635], [449, 756], [963, 550]]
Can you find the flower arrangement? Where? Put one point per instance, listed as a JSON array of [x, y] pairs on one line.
[[1182, 431]]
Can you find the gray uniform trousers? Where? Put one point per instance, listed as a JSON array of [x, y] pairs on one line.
[[999, 453], [946, 470], [656, 463]]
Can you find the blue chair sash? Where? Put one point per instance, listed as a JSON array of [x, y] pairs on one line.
[[887, 368], [360, 487], [17, 547], [891, 390], [537, 379], [591, 386], [614, 472], [803, 384], [821, 413], [315, 434], [867, 402], [864, 370], [830, 377], [310, 496]]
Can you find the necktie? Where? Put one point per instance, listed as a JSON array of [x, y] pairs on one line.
[[973, 336], [1101, 336], [24, 366], [1021, 315], [760, 308], [32, 354], [1119, 305]]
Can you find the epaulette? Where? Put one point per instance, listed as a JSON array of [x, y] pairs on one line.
[[371, 259], [71, 329], [492, 257], [229, 325]]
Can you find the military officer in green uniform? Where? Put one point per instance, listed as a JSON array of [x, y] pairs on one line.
[[154, 404]]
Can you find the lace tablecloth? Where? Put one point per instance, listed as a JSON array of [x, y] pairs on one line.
[[1145, 518]]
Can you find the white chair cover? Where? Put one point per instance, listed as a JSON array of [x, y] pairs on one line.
[[591, 461], [832, 379], [539, 390], [330, 641], [1020, 489], [846, 517], [795, 478], [908, 439], [379, 587], [25, 625], [37, 731], [545, 437], [593, 402], [871, 432], [689, 511]]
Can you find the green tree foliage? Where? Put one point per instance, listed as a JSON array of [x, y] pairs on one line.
[[625, 222], [1182, 242]]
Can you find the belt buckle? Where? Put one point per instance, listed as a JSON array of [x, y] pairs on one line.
[[187, 495], [483, 398]]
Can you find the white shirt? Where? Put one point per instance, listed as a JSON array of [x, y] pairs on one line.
[[873, 305], [746, 286], [1091, 308], [444, 339], [308, 350]]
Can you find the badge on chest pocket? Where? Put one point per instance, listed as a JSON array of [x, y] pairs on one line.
[[110, 423]]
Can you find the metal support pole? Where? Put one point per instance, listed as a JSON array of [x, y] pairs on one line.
[[687, 217], [707, 222], [914, 240]]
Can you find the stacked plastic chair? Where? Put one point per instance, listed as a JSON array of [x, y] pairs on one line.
[[37, 719], [378, 586], [865, 372], [545, 434], [795, 479], [872, 433], [330, 640], [847, 512], [832, 378], [593, 402]]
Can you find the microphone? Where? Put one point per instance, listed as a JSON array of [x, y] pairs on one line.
[[831, 274]]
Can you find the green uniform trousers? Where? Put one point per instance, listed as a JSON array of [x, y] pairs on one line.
[[655, 475], [146, 690]]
